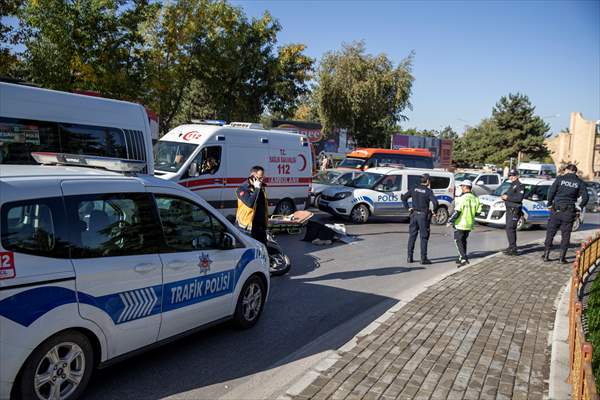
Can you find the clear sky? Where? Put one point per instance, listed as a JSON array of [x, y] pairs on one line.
[[468, 54]]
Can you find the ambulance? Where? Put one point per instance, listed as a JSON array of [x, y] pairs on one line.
[[213, 160], [535, 205], [378, 192]]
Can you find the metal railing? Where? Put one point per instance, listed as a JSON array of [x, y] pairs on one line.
[[581, 377]]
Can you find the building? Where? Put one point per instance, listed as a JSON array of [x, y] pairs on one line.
[[440, 148], [580, 145]]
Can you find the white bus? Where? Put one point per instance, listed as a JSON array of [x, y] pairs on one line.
[[41, 120]]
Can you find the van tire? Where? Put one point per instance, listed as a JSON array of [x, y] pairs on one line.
[[442, 216], [66, 341], [285, 207], [360, 214], [522, 223], [576, 225], [253, 291]]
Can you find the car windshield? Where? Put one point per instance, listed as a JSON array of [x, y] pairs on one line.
[[540, 190], [352, 163], [365, 180], [326, 177], [170, 156], [462, 176]]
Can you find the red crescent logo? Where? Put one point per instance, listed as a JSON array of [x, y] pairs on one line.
[[304, 160], [191, 135]]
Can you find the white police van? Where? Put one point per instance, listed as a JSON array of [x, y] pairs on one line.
[[378, 192], [96, 266], [535, 205]]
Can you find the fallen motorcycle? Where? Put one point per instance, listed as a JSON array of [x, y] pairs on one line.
[[280, 262]]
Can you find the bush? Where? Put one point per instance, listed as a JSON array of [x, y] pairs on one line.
[[593, 317]]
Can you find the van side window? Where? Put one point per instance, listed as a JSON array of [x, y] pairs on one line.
[[110, 225], [93, 140], [493, 180], [35, 227], [208, 161], [413, 181], [20, 137], [187, 226], [439, 182], [391, 183]]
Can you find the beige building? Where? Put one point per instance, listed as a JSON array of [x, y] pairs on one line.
[[581, 146]]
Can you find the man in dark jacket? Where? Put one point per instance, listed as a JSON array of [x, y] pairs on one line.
[[562, 196], [420, 216], [513, 200], [253, 208]]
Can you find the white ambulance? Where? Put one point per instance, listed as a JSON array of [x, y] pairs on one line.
[[213, 160]]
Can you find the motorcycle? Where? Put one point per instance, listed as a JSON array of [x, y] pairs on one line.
[[280, 262]]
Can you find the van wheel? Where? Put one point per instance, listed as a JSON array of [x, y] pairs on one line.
[[521, 224], [442, 216], [576, 225], [59, 368], [285, 207], [250, 303], [360, 214]]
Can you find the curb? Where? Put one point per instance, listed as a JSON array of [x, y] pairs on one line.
[[558, 388]]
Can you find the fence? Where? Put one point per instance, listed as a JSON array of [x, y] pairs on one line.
[[580, 351]]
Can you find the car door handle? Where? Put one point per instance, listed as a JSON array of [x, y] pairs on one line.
[[176, 264], [145, 267]]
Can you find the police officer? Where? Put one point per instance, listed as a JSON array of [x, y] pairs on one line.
[[561, 200], [420, 216], [513, 200]]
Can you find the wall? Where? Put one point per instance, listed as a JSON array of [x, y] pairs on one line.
[[581, 145]]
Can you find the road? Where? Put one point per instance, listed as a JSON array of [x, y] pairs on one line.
[[331, 293]]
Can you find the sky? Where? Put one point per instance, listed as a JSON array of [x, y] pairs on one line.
[[468, 53]]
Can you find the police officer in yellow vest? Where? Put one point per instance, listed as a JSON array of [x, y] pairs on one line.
[[252, 210]]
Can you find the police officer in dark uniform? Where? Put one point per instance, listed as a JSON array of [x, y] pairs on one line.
[[420, 216], [562, 196], [513, 199]]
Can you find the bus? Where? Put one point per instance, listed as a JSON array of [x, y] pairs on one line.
[[364, 158]]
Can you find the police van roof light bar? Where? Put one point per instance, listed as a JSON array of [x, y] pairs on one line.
[[108, 163]]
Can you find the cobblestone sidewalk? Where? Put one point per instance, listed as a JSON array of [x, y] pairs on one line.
[[482, 333]]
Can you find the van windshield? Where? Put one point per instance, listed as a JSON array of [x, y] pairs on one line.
[[170, 156], [365, 180], [352, 163]]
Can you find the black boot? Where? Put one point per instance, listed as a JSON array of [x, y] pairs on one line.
[[563, 257], [425, 261], [546, 255], [410, 259]]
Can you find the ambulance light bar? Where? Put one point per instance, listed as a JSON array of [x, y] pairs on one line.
[[110, 164], [246, 125], [217, 122]]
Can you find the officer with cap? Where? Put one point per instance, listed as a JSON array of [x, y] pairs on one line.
[[562, 196], [420, 216], [513, 200]]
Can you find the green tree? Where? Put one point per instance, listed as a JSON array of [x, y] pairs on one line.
[[9, 62], [447, 133], [480, 144], [364, 93], [523, 131]]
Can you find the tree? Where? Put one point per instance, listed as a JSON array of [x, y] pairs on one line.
[[363, 93], [480, 144], [522, 130], [447, 133], [9, 62]]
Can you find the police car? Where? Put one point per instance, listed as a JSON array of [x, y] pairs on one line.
[[535, 205], [97, 265], [378, 192]]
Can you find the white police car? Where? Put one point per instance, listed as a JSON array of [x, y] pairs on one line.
[[535, 205], [95, 265], [378, 192]]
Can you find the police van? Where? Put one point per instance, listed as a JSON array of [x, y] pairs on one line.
[[535, 205], [214, 160], [96, 266], [378, 192], [33, 119]]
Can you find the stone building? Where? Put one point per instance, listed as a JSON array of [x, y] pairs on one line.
[[581, 145]]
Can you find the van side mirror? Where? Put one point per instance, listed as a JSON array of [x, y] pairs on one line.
[[193, 170], [228, 241], [480, 182]]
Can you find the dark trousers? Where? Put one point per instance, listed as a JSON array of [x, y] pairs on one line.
[[562, 219], [512, 219], [419, 223], [460, 239], [259, 233]]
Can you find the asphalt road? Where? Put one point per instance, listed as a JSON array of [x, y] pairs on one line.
[[327, 288]]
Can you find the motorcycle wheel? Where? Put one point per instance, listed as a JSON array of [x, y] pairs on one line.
[[280, 263]]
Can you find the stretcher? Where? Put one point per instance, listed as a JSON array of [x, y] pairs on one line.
[[291, 224]]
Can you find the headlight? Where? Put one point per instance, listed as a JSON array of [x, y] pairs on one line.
[[500, 205], [342, 195]]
